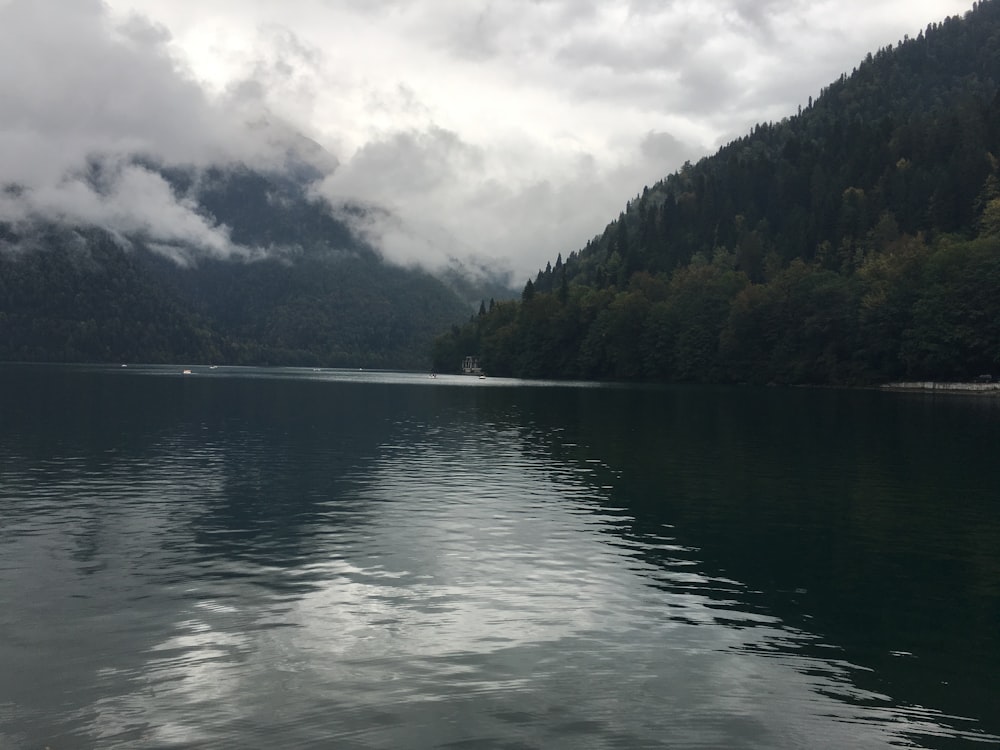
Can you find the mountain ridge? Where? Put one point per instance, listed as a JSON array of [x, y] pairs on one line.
[[280, 279], [834, 247]]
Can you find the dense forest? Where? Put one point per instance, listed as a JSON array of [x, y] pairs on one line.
[[319, 297], [856, 241]]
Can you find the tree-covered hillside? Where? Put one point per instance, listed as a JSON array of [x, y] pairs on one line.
[[856, 241], [313, 295]]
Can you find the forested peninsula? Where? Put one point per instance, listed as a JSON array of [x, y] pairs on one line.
[[856, 241]]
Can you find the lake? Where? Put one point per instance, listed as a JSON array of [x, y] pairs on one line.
[[262, 558]]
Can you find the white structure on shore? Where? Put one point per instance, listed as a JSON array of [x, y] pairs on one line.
[[470, 366]]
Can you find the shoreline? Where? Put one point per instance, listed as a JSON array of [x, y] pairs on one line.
[[929, 386]]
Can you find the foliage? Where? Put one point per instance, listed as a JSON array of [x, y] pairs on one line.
[[856, 241], [318, 297]]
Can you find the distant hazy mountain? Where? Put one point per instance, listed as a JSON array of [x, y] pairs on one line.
[[857, 240], [226, 265]]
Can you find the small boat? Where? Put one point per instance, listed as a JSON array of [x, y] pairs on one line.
[[186, 372]]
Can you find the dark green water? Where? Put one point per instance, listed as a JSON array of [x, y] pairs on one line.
[[240, 558]]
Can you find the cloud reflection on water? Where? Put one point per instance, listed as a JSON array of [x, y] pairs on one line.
[[451, 582]]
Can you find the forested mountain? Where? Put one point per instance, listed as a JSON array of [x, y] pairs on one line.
[[856, 241], [313, 294]]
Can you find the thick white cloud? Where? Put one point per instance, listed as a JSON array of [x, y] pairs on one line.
[[512, 130], [81, 92], [72, 85], [128, 199], [511, 200]]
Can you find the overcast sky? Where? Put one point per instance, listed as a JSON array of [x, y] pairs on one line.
[[509, 130]]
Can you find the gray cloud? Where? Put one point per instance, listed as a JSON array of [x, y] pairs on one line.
[[79, 89], [409, 162], [663, 150], [71, 84], [511, 30], [757, 16], [130, 200], [448, 199], [507, 130]]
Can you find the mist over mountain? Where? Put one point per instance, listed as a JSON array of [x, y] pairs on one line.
[[855, 241], [144, 219], [210, 264]]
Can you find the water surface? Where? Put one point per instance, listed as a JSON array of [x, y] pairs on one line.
[[297, 558]]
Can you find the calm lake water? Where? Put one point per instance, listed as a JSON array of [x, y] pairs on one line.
[[244, 558]]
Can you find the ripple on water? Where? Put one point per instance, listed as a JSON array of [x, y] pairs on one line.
[[439, 584]]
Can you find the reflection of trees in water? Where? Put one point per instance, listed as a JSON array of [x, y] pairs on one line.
[[866, 518], [295, 453], [58, 412], [861, 518], [289, 451]]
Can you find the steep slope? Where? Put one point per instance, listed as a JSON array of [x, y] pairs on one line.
[[306, 291], [856, 241]]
